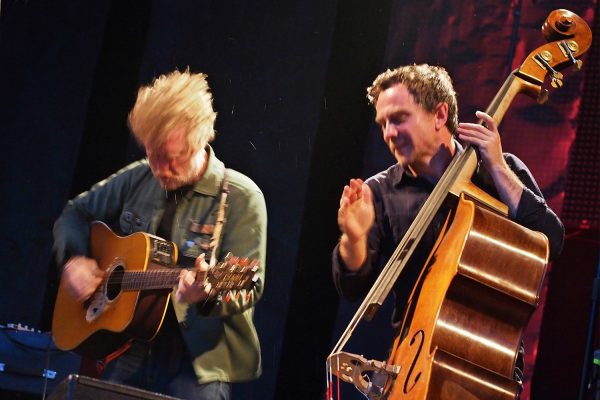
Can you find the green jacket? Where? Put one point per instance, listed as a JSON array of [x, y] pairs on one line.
[[220, 336]]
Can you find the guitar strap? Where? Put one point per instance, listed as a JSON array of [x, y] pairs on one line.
[[216, 236], [166, 223]]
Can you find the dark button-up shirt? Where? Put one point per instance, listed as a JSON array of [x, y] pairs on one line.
[[397, 198]]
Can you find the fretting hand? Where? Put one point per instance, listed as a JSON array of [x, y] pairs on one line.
[[487, 140], [193, 287]]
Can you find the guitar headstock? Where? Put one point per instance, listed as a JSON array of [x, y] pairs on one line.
[[233, 274], [569, 37]]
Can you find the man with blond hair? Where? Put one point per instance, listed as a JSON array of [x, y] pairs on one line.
[[177, 193]]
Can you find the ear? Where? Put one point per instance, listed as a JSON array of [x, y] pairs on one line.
[[441, 115]]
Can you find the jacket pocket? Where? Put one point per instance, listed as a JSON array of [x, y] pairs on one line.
[[131, 222]]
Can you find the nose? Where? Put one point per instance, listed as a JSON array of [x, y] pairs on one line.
[[162, 167], [389, 131]]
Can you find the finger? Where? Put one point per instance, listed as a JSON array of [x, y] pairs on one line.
[[346, 194], [200, 260], [470, 128], [487, 119], [344, 203], [348, 191], [472, 140], [356, 185], [179, 296], [182, 275], [367, 194], [189, 278]]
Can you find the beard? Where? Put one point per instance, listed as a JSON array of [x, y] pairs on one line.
[[173, 182], [189, 173]]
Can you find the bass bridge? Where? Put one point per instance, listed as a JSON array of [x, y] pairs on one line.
[[368, 376]]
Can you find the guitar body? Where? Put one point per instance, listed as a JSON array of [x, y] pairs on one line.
[[111, 316]]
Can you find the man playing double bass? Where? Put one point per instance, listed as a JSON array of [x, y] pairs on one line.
[[416, 109]]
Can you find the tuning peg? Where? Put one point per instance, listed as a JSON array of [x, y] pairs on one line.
[[557, 81], [227, 297], [568, 51], [557, 77]]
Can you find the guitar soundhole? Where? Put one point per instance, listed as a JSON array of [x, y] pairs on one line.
[[115, 282]]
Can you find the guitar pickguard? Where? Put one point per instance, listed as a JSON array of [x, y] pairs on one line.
[[107, 292]]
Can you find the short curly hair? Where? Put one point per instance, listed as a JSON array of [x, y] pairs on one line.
[[429, 86], [173, 100]]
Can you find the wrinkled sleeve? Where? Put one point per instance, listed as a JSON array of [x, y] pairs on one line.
[[533, 211], [352, 285], [72, 228], [245, 235]]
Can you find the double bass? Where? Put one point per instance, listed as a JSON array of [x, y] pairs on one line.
[[464, 322]]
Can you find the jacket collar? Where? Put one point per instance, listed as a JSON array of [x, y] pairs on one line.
[[210, 182]]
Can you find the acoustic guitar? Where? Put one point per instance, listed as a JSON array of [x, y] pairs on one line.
[[131, 302]]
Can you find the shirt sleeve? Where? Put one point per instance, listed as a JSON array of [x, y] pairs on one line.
[[533, 211], [102, 202]]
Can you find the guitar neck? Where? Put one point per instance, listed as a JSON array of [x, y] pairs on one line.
[[222, 277], [159, 278]]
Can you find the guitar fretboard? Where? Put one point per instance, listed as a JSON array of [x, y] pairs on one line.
[[162, 278]]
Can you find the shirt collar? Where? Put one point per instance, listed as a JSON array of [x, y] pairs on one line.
[[397, 171], [210, 182]]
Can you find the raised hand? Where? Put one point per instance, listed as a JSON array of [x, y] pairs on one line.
[[355, 218], [356, 213]]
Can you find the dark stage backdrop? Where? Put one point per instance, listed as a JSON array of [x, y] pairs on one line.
[[289, 82], [69, 72]]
